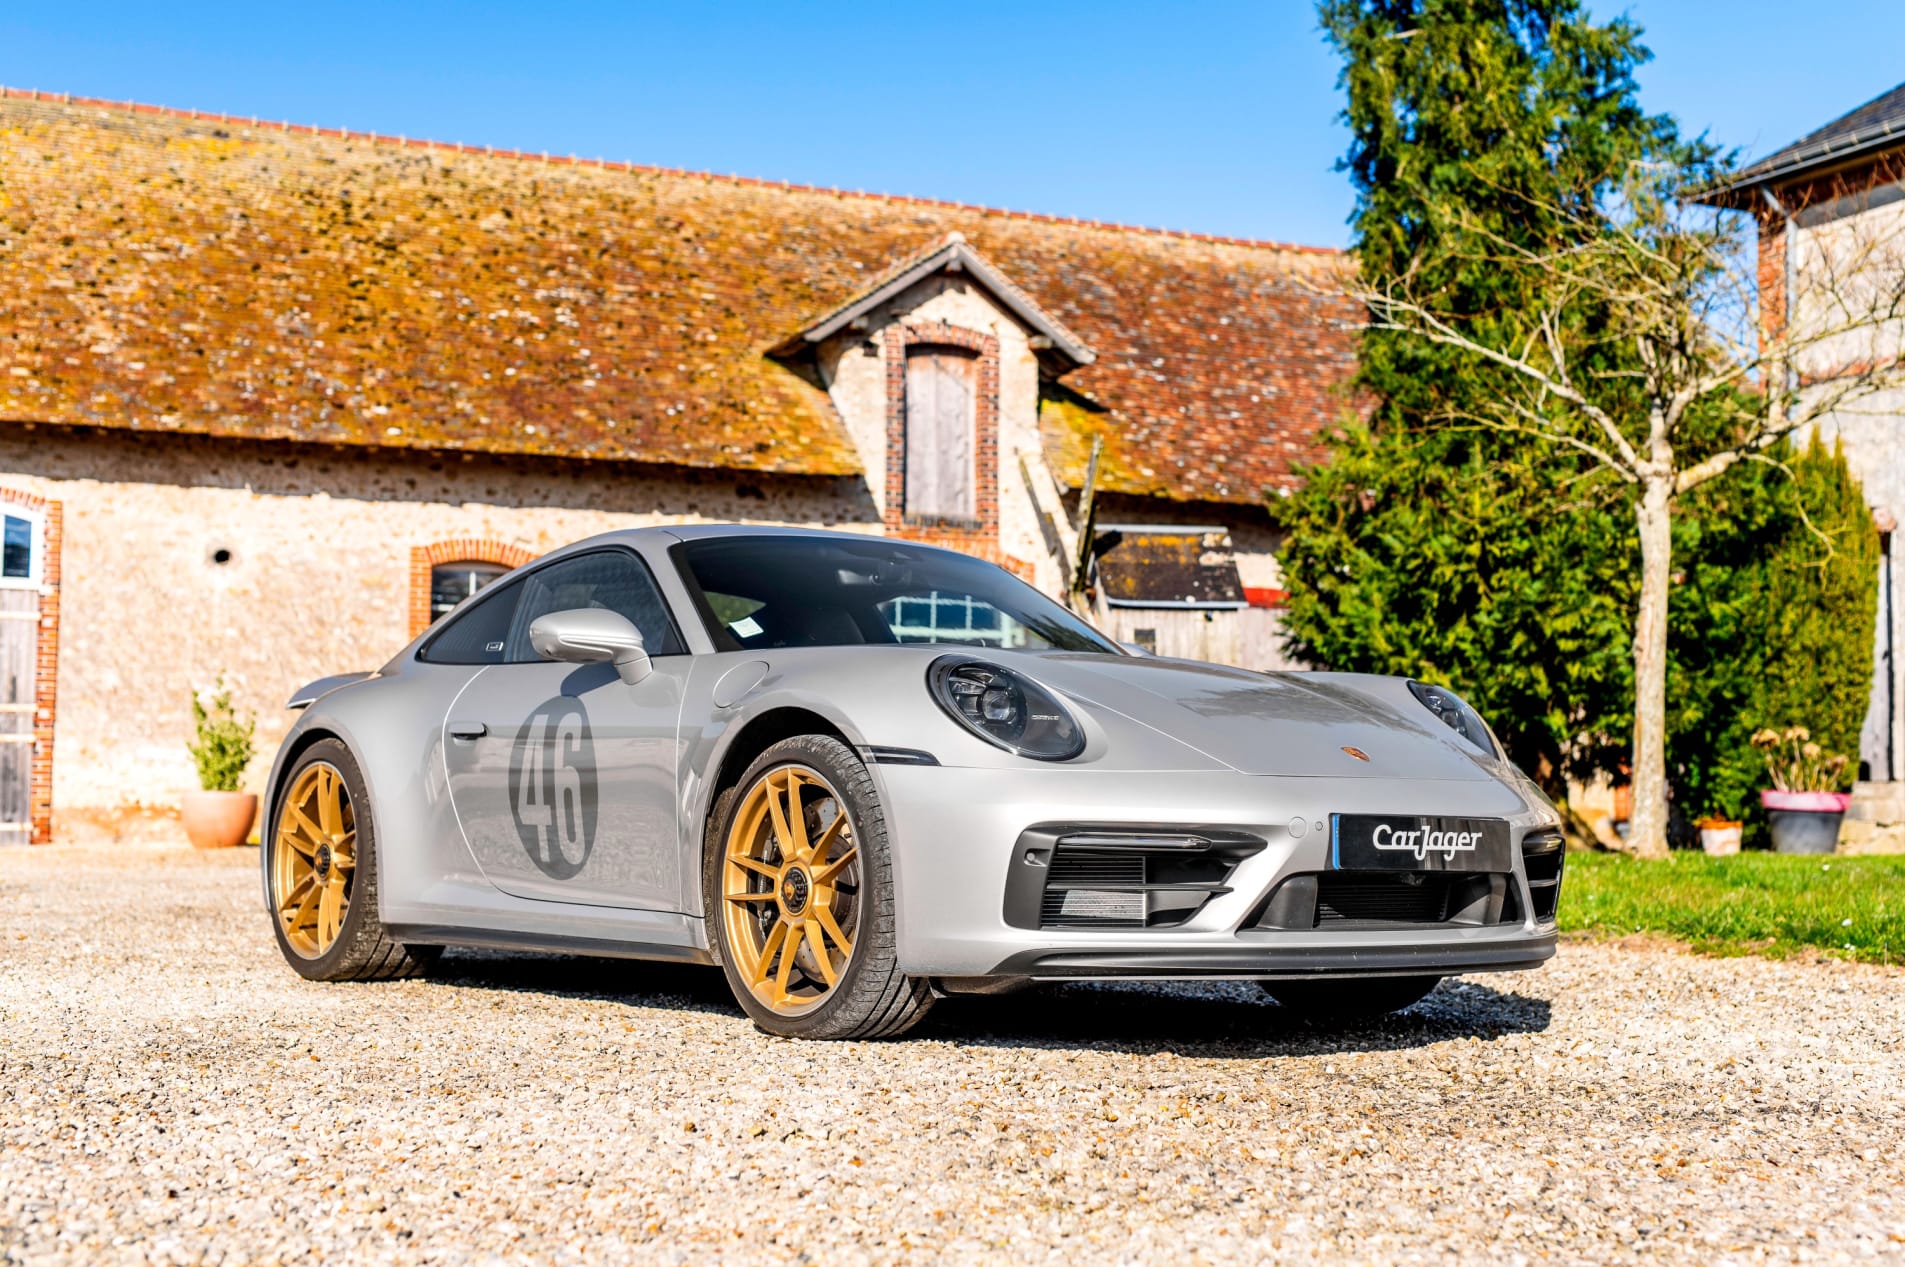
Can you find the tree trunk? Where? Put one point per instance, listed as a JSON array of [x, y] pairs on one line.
[[1647, 831]]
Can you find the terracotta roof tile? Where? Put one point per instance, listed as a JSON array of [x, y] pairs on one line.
[[167, 271]]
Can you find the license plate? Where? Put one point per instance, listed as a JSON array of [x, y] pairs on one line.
[[1404, 842]]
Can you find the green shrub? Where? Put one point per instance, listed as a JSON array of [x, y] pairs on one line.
[[224, 746], [1433, 554], [1777, 570]]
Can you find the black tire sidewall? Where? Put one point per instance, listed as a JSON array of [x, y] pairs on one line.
[[874, 946], [329, 965]]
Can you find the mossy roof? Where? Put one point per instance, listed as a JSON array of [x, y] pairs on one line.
[[166, 271]]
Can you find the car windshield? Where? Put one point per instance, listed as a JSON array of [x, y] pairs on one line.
[[759, 592]]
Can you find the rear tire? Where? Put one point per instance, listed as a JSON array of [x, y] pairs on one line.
[[798, 883], [1350, 998], [320, 861]]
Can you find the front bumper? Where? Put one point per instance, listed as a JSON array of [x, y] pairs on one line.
[[955, 832], [1256, 960]]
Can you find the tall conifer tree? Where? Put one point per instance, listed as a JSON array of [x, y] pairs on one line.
[[1430, 546]]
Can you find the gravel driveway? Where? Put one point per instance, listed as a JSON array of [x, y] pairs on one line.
[[169, 1091]]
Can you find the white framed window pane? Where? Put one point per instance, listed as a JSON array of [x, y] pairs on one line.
[[943, 617], [16, 554]]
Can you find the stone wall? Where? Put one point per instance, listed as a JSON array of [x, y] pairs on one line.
[[315, 576]]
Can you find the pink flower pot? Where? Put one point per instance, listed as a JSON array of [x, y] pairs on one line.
[[1805, 822], [1819, 802], [218, 820]]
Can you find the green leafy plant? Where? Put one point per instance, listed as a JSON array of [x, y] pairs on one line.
[[224, 743]]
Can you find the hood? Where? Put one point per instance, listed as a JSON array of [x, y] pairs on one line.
[[1289, 724]]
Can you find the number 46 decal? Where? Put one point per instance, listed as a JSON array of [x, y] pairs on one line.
[[552, 789]]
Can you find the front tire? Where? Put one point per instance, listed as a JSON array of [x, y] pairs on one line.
[[321, 872], [1350, 998], [798, 882]]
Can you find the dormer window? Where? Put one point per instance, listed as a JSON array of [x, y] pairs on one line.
[[941, 431]]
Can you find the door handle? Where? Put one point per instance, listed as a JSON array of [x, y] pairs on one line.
[[468, 730]]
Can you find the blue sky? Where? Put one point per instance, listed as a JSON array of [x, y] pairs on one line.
[[1216, 117]]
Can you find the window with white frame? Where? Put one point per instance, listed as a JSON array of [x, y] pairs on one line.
[[21, 545]]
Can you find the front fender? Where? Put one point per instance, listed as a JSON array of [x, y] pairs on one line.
[[393, 725]]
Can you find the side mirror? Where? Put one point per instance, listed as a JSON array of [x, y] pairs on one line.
[[592, 635], [1138, 649]]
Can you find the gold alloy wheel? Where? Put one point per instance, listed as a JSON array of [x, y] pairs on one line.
[[790, 883], [315, 858]]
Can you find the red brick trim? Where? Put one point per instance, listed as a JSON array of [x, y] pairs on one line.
[[1798, 197], [46, 667], [459, 550], [982, 540], [990, 551]]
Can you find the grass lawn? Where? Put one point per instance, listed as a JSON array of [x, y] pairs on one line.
[[1752, 903]]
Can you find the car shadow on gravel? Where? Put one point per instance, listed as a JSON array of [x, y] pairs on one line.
[[1212, 1019], [1223, 1020], [630, 982]]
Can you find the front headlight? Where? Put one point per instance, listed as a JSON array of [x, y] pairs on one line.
[[1455, 714], [1005, 708]]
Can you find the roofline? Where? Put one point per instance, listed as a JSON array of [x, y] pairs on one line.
[[649, 169], [1177, 605], [1826, 156], [957, 254]]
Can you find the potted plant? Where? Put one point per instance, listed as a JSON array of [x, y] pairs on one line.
[[1719, 836], [1804, 806], [219, 816]]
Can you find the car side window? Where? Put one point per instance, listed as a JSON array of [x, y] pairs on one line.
[[616, 580], [479, 635]]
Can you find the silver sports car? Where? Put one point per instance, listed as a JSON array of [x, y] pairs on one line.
[[860, 774]]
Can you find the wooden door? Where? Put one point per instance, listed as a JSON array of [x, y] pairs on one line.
[[941, 395], [19, 640]]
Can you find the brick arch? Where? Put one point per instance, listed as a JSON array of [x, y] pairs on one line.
[[46, 659], [457, 550], [985, 536]]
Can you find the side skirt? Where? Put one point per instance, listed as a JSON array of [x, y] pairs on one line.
[[552, 943]]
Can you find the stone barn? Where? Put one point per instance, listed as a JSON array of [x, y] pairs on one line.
[[273, 397]]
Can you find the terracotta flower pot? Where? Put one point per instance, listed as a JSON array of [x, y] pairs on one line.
[[218, 820], [1719, 837], [1805, 822]]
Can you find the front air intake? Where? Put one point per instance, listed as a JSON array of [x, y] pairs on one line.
[[1543, 854], [1117, 877], [1347, 897]]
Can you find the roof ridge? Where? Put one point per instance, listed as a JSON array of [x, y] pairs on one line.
[[456, 147]]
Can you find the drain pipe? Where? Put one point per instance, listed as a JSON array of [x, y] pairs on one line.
[[1789, 300], [1891, 665]]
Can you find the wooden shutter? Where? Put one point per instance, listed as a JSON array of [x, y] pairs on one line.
[[941, 418], [19, 639]]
